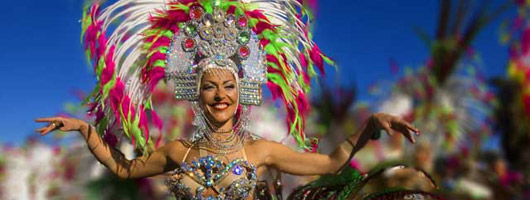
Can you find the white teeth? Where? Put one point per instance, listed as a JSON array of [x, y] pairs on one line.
[[220, 106]]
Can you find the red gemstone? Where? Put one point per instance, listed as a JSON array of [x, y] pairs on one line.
[[189, 43], [243, 51], [242, 21], [196, 13]]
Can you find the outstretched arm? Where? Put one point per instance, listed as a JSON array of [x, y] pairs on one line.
[[289, 161], [155, 163]]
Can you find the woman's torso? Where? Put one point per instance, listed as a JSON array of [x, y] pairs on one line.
[[201, 174]]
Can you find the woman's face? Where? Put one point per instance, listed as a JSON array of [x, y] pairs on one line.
[[219, 95]]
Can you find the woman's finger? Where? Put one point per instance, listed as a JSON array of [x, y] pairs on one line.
[[406, 132], [388, 130], [407, 125], [46, 130], [48, 119], [41, 129], [412, 128]]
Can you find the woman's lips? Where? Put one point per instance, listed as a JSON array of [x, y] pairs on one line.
[[220, 106]]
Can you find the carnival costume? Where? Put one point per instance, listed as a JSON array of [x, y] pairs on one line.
[[258, 41], [177, 41]]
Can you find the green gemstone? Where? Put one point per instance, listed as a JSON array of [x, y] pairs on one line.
[[181, 25], [243, 37], [190, 29]]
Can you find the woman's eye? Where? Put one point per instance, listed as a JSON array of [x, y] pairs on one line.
[[207, 87], [230, 86]]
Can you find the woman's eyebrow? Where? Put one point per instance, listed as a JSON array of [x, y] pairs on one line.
[[225, 82], [211, 82]]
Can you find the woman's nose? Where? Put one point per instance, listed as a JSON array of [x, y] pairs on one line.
[[217, 98], [219, 95]]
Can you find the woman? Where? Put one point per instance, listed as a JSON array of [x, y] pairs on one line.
[[217, 53], [219, 97]]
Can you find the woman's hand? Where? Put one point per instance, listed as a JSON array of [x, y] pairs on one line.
[[392, 125], [61, 123]]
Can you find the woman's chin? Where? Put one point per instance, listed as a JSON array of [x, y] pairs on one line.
[[219, 118]]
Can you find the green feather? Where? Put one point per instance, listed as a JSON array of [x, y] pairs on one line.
[[137, 132], [180, 7], [108, 86], [159, 63], [99, 68]]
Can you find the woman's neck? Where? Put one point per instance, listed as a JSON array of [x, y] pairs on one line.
[[222, 131]]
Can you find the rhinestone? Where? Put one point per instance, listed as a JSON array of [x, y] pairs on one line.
[[231, 34], [196, 12], [242, 21], [207, 19], [189, 44], [218, 15], [238, 170], [204, 48], [244, 52], [190, 30], [230, 20], [218, 31], [206, 33], [243, 37]]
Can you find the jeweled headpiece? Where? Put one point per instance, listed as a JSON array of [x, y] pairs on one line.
[[152, 40], [216, 39]]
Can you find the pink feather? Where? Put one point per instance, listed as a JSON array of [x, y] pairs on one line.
[[99, 114], [258, 14], [108, 72], [316, 56], [155, 119], [156, 74], [144, 124], [231, 10], [303, 60], [275, 90], [115, 97], [264, 42], [261, 26], [161, 41], [156, 56], [110, 138]]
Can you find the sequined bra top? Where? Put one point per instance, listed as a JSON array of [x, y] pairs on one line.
[[233, 180]]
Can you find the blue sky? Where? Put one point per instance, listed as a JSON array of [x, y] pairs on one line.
[[42, 61]]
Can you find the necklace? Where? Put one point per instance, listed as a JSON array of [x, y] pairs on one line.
[[205, 135], [234, 141], [204, 144]]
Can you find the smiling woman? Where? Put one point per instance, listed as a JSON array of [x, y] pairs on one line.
[[217, 54]]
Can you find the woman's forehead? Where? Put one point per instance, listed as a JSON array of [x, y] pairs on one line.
[[218, 74]]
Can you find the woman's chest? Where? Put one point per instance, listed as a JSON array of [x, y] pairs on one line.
[[213, 176]]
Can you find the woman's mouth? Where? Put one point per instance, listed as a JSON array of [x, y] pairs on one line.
[[220, 106]]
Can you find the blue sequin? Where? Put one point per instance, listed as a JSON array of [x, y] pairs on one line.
[[237, 170]]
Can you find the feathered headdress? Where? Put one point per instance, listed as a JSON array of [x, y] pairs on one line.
[[134, 44]]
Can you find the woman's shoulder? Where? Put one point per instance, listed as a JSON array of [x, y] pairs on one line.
[[178, 145], [258, 142]]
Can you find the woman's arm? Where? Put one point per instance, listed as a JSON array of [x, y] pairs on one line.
[[155, 163], [289, 161]]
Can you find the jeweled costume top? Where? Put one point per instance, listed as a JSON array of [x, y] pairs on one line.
[[233, 180]]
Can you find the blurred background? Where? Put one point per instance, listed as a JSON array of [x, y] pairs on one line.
[[459, 70]]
